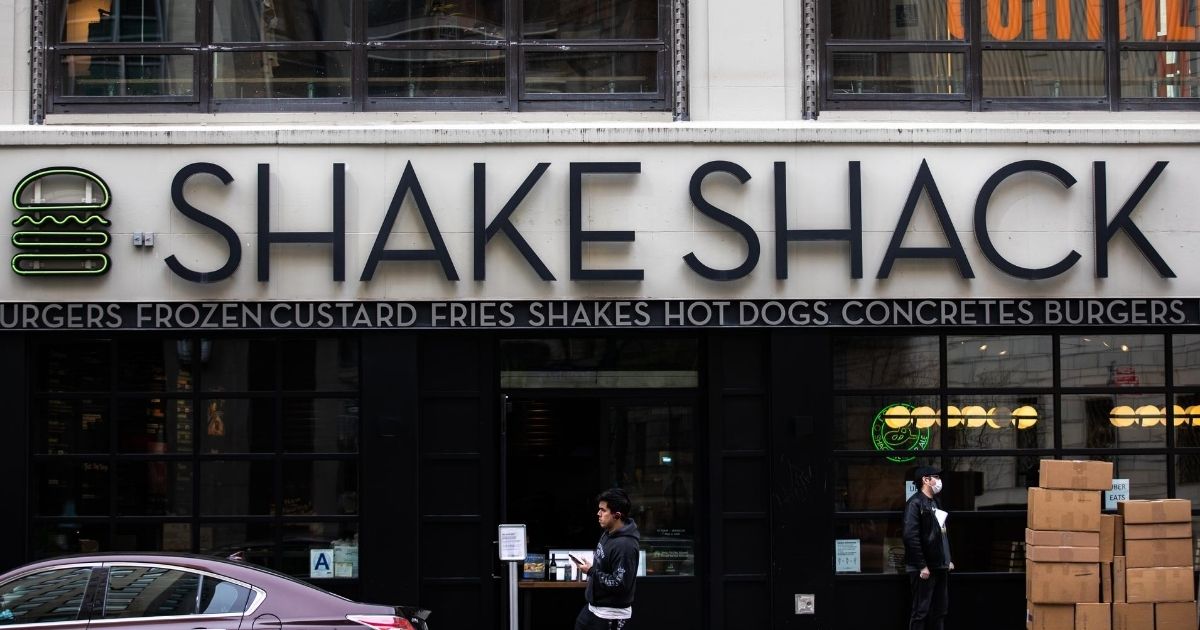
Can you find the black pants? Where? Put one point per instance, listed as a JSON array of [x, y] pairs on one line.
[[930, 598], [588, 621]]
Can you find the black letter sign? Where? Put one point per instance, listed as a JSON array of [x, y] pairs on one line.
[[208, 221]]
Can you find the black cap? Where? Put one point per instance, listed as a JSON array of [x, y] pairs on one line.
[[925, 471]]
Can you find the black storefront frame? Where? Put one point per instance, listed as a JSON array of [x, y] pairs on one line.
[[198, 394], [1006, 586], [798, 390]]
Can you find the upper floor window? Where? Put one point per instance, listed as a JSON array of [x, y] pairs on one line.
[[356, 55], [1012, 54]]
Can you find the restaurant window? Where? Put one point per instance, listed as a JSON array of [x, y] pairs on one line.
[[212, 446], [985, 409], [358, 55], [1012, 54]]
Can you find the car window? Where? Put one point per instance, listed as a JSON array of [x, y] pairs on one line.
[[150, 592], [45, 596], [220, 597]]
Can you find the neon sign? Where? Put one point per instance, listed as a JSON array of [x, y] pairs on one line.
[[64, 243], [907, 438]]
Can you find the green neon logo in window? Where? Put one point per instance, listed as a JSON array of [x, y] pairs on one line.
[[906, 438], [61, 235]]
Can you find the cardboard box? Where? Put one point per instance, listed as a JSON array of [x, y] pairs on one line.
[[1052, 538], [1108, 528], [1093, 616], [1158, 530], [1159, 584], [1075, 475], [1049, 617], [1156, 511], [1119, 540], [1119, 594], [1162, 552], [1106, 582], [1062, 582], [1132, 616], [1175, 616], [1064, 510], [1063, 554]]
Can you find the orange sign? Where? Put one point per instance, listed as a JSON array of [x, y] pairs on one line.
[[1005, 20]]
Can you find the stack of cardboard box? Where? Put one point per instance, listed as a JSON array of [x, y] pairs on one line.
[[1064, 547], [1153, 576]]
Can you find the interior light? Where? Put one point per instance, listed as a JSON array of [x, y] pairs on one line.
[[1003, 352], [897, 417], [976, 416], [953, 417], [983, 347], [1024, 417], [1194, 413], [1151, 415], [1180, 415], [1122, 416], [924, 417], [1124, 348], [996, 415]]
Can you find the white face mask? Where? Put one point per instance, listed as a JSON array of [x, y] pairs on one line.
[[937, 486]]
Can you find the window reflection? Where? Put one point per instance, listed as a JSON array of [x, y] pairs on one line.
[[573, 19], [127, 75], [1157, 20], [885, 362], [918, 20], [591, 72], [988, 482], [1043, 74], [129, 21], [1000, 361], [1112, 360], [282, 74], [897, 73], [1108, 421], [435, 73], [281, 20], [1013, 20], [1160, 74], [872, 484], [437, 20]]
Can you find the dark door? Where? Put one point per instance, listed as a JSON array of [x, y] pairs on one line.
[[560, 449]]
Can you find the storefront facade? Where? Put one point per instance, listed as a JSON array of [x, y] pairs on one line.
[[375, 277], [401, 395]]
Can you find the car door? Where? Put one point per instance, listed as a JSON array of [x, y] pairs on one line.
[[161, 597], [47, 596]]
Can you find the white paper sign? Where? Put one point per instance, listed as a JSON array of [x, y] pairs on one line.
[[910, 489], [847, 556], [512, 542], [1119, 492], [320, 563]]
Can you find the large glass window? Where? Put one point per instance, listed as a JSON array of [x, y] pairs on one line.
[[985, 409], [211, 445], [1012, 54], [355, 55]]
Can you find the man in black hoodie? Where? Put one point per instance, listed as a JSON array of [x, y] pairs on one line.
[[614, 568]]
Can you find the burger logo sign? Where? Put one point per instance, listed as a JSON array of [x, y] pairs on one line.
[[60, 230]]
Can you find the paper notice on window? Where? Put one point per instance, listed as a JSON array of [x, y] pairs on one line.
[[847, 556], [941, 517]]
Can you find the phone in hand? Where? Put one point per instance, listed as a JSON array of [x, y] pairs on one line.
[[574, 559]]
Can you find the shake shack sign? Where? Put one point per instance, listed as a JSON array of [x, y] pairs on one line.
[[777, 250], [597, 314]]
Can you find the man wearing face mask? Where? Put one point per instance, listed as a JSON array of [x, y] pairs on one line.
[[927, 551]]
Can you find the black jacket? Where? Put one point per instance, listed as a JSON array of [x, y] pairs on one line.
[[614, 568], [924, 543]]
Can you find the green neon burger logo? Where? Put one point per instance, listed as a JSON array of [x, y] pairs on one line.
[[62, 235], [907, 438]]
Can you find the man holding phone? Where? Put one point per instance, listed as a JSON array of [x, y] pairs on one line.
[[611, 575]]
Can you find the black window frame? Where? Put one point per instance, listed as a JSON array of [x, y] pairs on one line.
[[514, 46], [278, 457], [973, 46], [943, 457]]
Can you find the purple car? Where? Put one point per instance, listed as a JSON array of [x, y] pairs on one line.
[[180, 592]]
